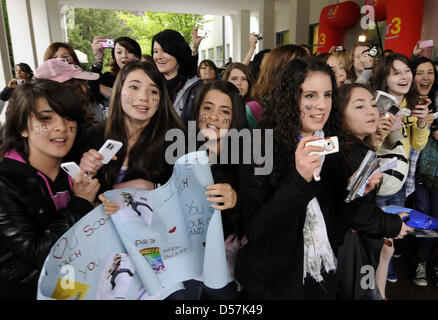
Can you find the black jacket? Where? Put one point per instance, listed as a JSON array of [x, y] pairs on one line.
[[6, 93], [29, 225], [270, 265], [362, 214]]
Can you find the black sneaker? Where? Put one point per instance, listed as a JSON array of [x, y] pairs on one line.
[[420, 278]]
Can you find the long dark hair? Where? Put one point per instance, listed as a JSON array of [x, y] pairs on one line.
[[23, 103], [412, 95], [174, 44], [283, 115], [238, 120], [145, 156], [384, 67], [26, 68]]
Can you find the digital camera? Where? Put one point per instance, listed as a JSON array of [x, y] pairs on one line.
[[108, 43], [372, 51], [330, 144], [259, 36]]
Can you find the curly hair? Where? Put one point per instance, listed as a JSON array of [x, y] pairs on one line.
[[282, 113]]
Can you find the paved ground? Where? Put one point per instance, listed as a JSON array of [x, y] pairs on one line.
[[404, 288]]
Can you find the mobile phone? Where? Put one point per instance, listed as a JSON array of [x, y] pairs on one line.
[[339, 48], [393, 110], [71, 168], [202, 33], [108, 43], [20, 81], [109, 150], [422, 100], [426, 44]]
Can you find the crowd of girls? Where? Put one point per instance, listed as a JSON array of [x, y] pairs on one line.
[[287, 234]]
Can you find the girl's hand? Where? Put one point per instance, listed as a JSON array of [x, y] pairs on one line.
[[404, 229], [91, 162], [109, 207], [373, 181], [305, 163], [84, 186], [135, 184], [385, 123], [253, 40], [12, 83], [224, 193], [398, 122], [98, 49], [421, 111]]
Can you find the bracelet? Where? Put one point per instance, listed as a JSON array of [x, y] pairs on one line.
[[97, 64]]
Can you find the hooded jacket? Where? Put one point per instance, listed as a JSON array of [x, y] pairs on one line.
[[32, 218]]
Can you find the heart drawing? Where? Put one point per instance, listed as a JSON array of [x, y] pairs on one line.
[[59, 249], [172, 230]]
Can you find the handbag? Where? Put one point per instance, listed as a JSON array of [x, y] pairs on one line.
[[358, 258]]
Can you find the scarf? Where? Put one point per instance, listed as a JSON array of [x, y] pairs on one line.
[[318, 252]]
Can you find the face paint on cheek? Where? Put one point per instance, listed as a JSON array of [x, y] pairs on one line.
[[37, 129], [202, 117], [155, 101], [308, 107], [44, 128], [72, 129], [226, 121], [127, 99]]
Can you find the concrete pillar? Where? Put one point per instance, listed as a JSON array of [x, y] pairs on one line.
[[241, 31], [5, 66], [21, 29], [302, 21], [34, 25], [267, 24]]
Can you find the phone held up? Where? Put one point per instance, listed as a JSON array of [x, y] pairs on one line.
[[109, 150]]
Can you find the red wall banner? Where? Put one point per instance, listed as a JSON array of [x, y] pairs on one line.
[[404, 21], [334, 22]]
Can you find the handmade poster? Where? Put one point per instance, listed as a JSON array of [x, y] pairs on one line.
[[157, 240]]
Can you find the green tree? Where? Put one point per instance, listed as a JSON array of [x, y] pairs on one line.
[[145, 25], [95, 22]]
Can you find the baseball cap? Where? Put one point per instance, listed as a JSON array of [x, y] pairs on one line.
[[61, 71]]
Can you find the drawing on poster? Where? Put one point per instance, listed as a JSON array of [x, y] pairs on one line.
[[135, 209], [153, 257], [116, 277]]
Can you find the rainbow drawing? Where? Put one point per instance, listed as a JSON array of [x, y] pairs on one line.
[[153, 257]]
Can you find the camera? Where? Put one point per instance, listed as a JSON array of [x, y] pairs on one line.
[[202, 33], [108, 43], [259, 36], [20, 81], [330, 144], [339, 48], [372, 51]]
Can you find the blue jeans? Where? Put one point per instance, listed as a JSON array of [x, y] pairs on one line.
[[396, 199]]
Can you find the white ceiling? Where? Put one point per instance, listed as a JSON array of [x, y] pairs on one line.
[[213, 7]]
